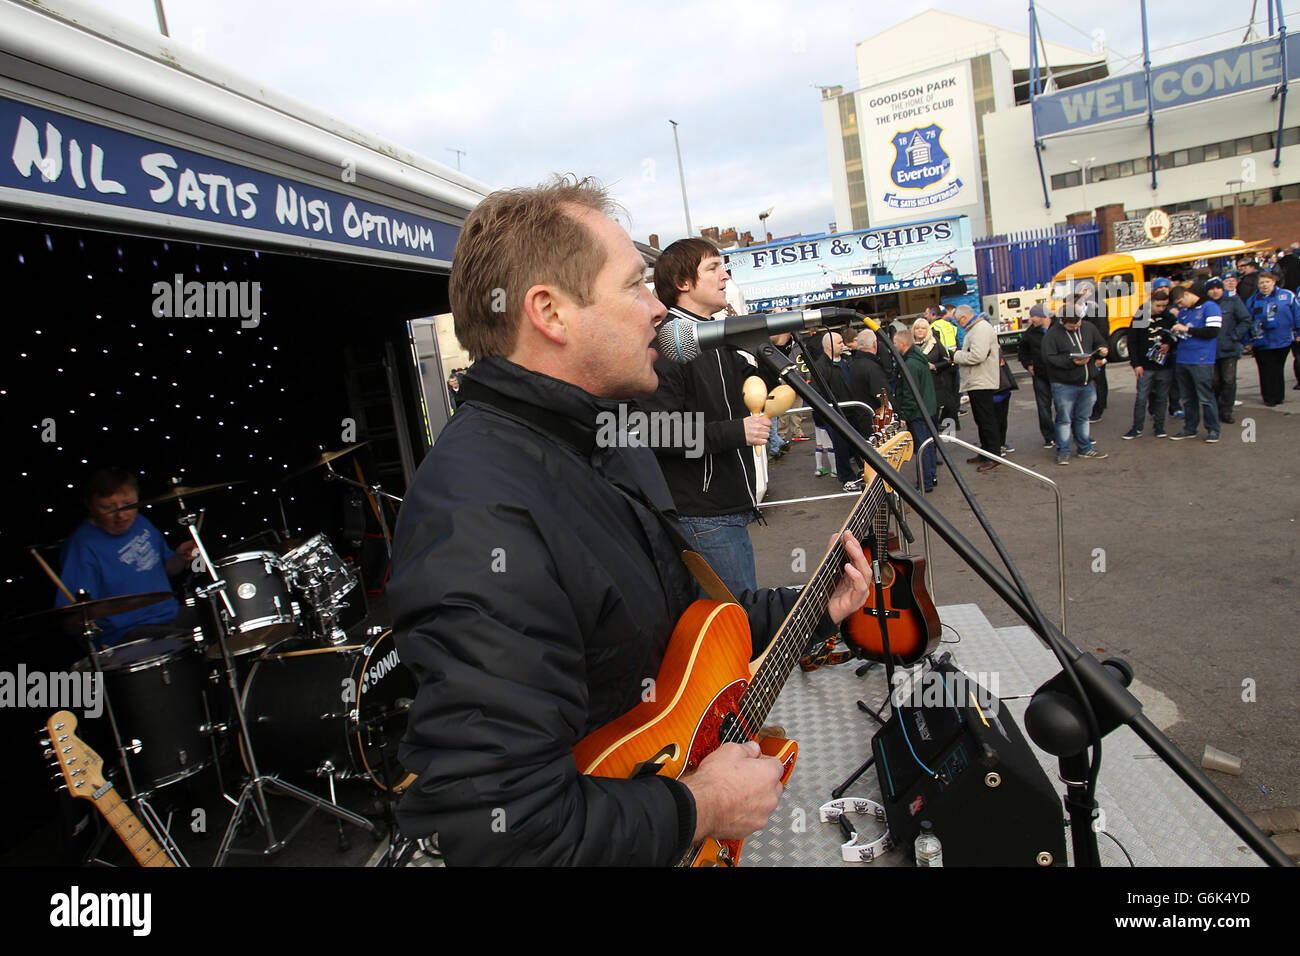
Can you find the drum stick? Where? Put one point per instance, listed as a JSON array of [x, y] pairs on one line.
[[53, 577]]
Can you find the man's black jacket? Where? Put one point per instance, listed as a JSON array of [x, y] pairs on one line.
[[721, 480], [867, 378], [533, 600]]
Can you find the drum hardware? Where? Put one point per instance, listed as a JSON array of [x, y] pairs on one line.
[[253, 793], [325, 458], [315, 570]]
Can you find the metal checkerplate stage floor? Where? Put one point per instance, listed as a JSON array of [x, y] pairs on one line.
[[1149, 810], [1153, 813]]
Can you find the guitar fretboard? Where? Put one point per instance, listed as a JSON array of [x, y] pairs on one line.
[[792, 637], [130, 831]]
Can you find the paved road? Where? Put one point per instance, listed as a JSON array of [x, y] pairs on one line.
[[1180, 557]]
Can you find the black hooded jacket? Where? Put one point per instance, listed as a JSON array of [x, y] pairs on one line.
[[533, 595]]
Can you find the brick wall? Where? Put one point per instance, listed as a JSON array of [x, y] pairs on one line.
[[1279, 222], [1107, 216]]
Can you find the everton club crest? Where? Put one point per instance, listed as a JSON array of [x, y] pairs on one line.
[[920, 162]]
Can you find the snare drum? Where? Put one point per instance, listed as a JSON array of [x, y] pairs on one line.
[[315, 570], [155, 688], [264, 612], [334, 707]]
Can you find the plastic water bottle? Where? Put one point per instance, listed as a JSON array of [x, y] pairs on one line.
[[929, 851]]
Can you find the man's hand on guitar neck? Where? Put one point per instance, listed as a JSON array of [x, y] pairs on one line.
[[854, 585], [735, 790]]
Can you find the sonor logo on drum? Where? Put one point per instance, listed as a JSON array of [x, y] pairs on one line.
[[378, 671]]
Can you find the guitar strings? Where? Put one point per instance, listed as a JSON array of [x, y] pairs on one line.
[[762, 692]]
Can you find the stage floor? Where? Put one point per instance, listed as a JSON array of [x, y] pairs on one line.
[[1146, 808]]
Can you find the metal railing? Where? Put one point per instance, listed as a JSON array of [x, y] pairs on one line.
[[840, 494], [1060, 514]]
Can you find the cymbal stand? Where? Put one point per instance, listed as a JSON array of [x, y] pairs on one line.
[[161, 834], [255, 788], [374, 491]]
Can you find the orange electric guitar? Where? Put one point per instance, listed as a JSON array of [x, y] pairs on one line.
[[83, 772], [708, 692]]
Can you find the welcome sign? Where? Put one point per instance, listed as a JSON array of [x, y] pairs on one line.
[[1249, 67]]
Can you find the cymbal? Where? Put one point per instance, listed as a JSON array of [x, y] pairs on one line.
[[325, 458], [94, 610], [181, 491]]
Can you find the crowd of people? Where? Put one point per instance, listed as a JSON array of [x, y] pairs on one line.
[[948, 351], [1184, 346]]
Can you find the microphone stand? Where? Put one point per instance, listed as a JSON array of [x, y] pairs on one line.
[[1088, 682]]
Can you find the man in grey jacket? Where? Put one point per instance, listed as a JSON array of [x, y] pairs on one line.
[[978, 359]]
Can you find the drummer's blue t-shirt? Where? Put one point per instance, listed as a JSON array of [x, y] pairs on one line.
[[111, 565]]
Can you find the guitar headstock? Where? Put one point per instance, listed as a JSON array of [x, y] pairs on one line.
[[82, 768], [895, 449]]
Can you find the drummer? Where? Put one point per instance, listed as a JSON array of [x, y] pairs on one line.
[[117, 551]]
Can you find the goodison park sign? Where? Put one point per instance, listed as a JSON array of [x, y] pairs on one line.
[[1255, 66]]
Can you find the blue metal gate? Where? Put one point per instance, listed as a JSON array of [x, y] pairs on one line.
[[1026, 260]]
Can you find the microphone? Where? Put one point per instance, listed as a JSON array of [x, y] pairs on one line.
[[682, 339]]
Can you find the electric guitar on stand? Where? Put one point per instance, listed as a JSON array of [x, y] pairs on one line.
[[83, 774], [709, 693]]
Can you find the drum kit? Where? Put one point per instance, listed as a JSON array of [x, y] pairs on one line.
[[270, 669]]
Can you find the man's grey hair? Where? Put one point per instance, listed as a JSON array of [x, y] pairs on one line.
[[867, 340], [965, 311]]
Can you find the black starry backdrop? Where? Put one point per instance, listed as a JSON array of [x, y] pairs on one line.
[[93, 378]]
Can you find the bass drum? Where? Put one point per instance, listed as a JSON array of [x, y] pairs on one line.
[[318, 708]]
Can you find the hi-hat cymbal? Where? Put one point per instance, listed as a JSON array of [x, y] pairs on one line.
[[93, 610], [177, 492], [324, 458]]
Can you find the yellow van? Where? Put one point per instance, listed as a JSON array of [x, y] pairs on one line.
[[1122, 278]]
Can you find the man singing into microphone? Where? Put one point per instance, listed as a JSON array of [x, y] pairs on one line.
[[714, 492], [534, 603]]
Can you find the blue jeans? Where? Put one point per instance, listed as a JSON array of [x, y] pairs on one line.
[[929, 467], [1196, 382], [1152, 388], [1073, 408], [723, 541]]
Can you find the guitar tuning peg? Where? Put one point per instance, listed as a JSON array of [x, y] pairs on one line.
[[44, 741], [48, 753]]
